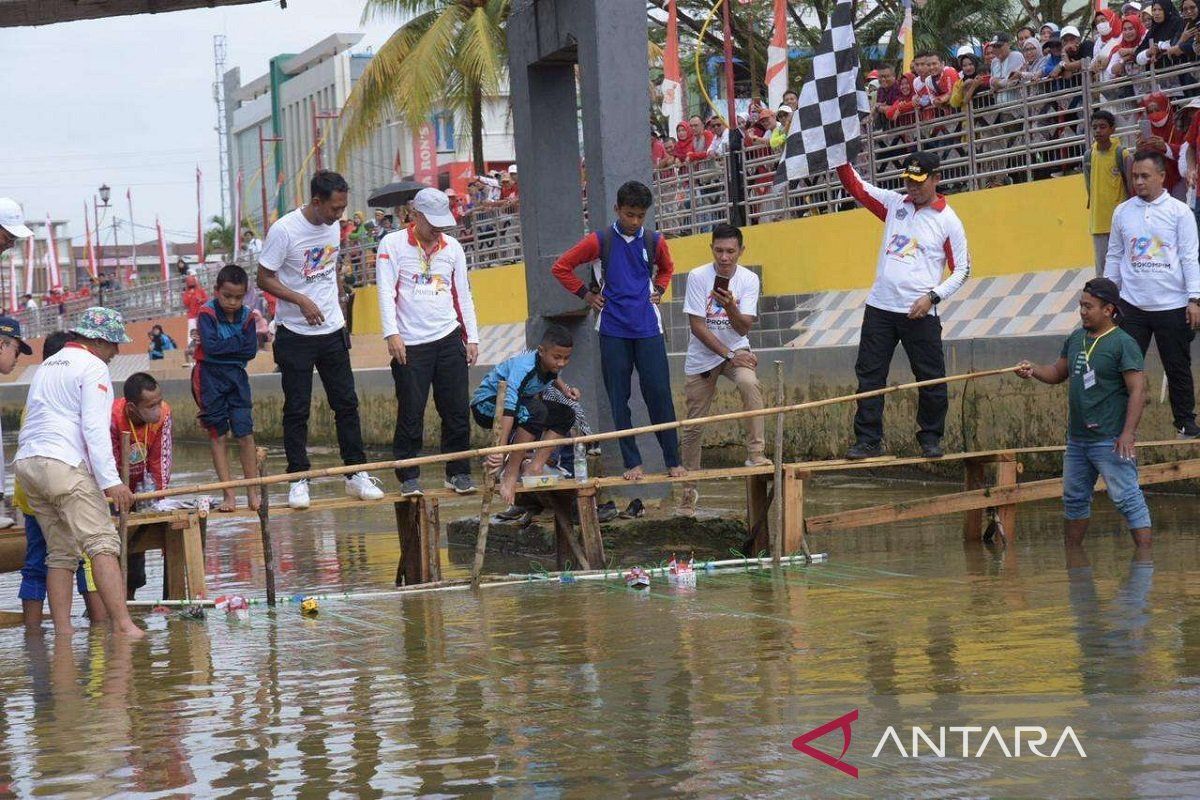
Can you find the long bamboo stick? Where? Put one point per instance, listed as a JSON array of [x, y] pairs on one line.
[[331, 472], [264, 524], [777, 528], [123, 517], [489, 486]]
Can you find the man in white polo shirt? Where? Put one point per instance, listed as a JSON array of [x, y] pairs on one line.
[[66, 466], [428, 318], [722, 306], [922, 239], [1153, 259], [298, 264]]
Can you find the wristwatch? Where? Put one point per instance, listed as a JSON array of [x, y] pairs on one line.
[[934, 297], [730, 355]]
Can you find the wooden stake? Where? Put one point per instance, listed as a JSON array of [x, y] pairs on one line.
[[123, 516], [331, 472], [489, 486], [264, 525], [777, 531]]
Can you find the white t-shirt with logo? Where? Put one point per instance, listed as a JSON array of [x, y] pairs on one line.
[[698, 302], [305, 257]]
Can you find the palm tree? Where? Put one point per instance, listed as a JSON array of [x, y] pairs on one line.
[[219, 237], [447, 54]]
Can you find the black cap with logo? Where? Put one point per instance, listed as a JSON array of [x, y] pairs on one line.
[[12, 329], [1104, 290], [920, 165]]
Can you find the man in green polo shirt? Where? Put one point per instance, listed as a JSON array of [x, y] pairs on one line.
[[1107, 392]]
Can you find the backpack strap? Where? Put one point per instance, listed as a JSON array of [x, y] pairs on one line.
[[599, 267]]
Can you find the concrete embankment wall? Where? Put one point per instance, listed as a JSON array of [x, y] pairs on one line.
[[989, 413]]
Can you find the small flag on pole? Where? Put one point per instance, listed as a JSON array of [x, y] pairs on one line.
[[53, 278], [672, 84], [777, 57], [200, 255], [825, 131], [91, 248], [162, 251], [906, 37]]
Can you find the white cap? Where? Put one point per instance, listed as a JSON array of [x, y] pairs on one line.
[[512, 169], [12, 220], [435, 206], [964, 50], [1134, 6], [1069, 30]]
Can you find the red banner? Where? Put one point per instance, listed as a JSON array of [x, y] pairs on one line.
[[425, 160]]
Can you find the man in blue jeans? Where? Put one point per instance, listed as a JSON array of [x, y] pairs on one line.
[[1106, 391], [634, 272]]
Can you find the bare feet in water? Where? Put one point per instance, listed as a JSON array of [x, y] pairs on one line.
[[252, 496], [228, 503]]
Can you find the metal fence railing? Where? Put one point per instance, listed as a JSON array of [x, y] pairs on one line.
[[1018, 134]]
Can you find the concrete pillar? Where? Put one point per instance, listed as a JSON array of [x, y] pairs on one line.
[[607, 40]]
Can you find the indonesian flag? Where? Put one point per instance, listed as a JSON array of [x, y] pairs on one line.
[[29, 257], [52, 276], [237, 217], [906, 36], [200, 256], [162, 251], [12, 286], [672, 85], [91, 249], [777, 57]]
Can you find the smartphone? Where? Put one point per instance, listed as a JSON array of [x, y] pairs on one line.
[[721, 283]]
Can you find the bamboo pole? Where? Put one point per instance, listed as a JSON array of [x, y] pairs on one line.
[[331, 472], [264, 525], [489, 486], [123, 516], [777, 528]]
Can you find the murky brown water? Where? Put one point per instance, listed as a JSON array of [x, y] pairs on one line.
[[592, 690]]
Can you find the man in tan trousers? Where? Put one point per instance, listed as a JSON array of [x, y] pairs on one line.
[[722, 306]]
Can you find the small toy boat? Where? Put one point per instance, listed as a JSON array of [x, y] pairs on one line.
[[681, 573], [637, 578]]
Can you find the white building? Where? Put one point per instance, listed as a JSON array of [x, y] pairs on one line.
[[305, 91]]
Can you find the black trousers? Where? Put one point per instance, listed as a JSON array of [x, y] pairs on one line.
[[1173, 336], [441, 365], [296, 356], [541, 416], [922, 340]]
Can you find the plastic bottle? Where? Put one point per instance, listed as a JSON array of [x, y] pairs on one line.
[[581, 462]]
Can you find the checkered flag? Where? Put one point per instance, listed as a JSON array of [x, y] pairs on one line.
[[825, 130]]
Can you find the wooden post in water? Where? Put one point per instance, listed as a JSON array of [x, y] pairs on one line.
[[489, 486], [780, 495], [1007, 471], [264, 524], [123, 516]]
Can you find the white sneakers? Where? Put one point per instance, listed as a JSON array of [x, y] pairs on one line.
[[363, 487], [360, 486], [298, 495], [6, 521]]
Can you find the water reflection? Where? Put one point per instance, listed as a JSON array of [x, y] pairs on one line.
[[590, 690]]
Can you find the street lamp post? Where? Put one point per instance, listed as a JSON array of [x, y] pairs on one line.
[[105, 194]]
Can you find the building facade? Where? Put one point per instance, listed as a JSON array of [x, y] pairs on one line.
[[299, 100]]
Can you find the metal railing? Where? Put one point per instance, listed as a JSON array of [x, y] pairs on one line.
[[692, 197]]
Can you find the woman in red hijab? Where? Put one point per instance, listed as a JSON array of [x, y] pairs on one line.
[[1165, 136]]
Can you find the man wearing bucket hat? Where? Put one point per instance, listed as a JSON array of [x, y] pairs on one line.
[[922, 238], [428, 318], [65, 464]]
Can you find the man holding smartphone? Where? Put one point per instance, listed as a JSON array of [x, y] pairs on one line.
[[722, 306]]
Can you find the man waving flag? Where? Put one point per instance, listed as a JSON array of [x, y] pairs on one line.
[[825, 130]]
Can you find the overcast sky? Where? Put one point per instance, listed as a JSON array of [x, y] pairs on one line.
[[128, 101]]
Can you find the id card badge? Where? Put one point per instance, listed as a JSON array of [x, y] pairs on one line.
[[1089, 379]]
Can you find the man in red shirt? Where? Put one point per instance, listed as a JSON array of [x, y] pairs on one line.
[[146, 417]]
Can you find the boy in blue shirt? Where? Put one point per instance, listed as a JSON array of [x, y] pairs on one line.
[[533, 417], [635, 271], [228, 340]]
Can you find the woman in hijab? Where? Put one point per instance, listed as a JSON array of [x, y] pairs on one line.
[[1184, 47], [683, 142], [1165, 27], [1124, 55], [1047, 32], [1165, 137]]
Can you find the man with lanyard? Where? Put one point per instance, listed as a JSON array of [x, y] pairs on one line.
[[1153, 260], [922, 238], [1107, 392], [298, 265], [428, 319], [146, 417]]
